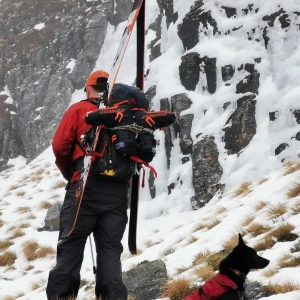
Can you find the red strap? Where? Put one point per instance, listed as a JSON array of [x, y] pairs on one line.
[[142, 162]]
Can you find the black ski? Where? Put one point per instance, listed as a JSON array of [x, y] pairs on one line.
[[81, 184], [136, 178]]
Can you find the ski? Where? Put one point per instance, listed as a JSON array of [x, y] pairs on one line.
[[135, 183], [87, 161]]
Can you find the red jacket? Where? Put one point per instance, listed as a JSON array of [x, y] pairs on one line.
[[70, 130], [213, 288]]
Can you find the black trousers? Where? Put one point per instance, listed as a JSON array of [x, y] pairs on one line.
[[103, 212]]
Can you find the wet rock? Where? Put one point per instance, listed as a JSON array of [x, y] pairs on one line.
[[189, 70], [207, 171], [155, 44], [166, 8], [273, 115], [282, 16], [227, 72], [183, 123], [226, 105], [298, 136], [250, 83], [150, 94], [281, 148], [151, 183], [241, 125], [146, 280]]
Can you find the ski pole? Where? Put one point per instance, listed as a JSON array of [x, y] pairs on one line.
[[93, 260]]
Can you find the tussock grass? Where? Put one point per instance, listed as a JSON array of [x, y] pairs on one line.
[[29, 267], [7, 258], [289, 261], [276, 211], [247, 221], [281, 288], [213, 223], [59, 184], [204, 272], [1, 223], [4, 245], [210, 259], [9, 298], [182, 269], [13, 187], [267, 243], [150, 243], [291, 167], [243, 190], [21, 193], [45, 205], [260, 205], [263, 180], [271, 272], [294, 191], [168, 251], [295, 208], [231, 243], [177, 289], [199, 227], [23, 209], [32, 250], [221, 210], [36, 285], [16, 234], [283, 233], [131, 297], [257, 229], [192, 240], [24, 225]]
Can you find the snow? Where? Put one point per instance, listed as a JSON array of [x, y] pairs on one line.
[[71, 65], [6, 92], [167, 223], [39, 26]]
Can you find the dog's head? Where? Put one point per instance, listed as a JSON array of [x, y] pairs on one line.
[[243, 259]]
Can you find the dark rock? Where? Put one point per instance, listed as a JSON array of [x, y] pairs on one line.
[[183, 123], [189, 70], [281, 148], [171, 187], [185, 159], [282, 16], [255, 291], [188, 30], [297, 115], [226, 104], [146, 280], [227, 72], [152, 188], [155, 44], [250, 83], [257, 60], [298, 136], [165, 105], [273, 115], [150, 94], [119, 12], [207, 171], [166, 8], [266, 37], [230, 11], [52, 218], [210, 69], [242, 125]]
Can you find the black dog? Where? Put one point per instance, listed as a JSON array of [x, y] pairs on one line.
[[229, 283]]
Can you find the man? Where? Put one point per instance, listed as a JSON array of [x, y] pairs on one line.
[[102, 212]]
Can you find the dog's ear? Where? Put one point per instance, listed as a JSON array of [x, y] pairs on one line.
[[241, 241]]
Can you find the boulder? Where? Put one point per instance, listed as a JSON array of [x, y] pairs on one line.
[[52, 218]]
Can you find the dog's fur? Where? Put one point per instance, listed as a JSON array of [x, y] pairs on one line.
[[237, 265]]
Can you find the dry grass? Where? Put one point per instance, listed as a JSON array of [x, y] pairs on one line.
[[32, 250], [168, 251], [1, 223], [131, 297], [29, 267], [257, 229], [192, 240], [289, 261], [200, 226], [276, 211], [283, 233], [21, 193], [16, 234], [45, 205], [221, 210], [36, 285], [231, 243], [294, 191], [9, 298], [23, 209], [263, 180], [37, 175], [4, 245], [291, 167], [210, 259], [205, 272], [59, 184], [271, 272], [7, 258], [247, 221], [267, 243], [177, 289], [295, 208], [24, 225], [182, 269], [213, 223], [281, 288], [243, 190], [260, 205], [13, 187]]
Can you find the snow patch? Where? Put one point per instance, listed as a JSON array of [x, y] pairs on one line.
[[39, 26]]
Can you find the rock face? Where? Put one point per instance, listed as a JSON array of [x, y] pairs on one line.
[[146, 280], [241, 125], [207, 171], [52, 218], [35, 52], [183, 124], [255, 291]]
